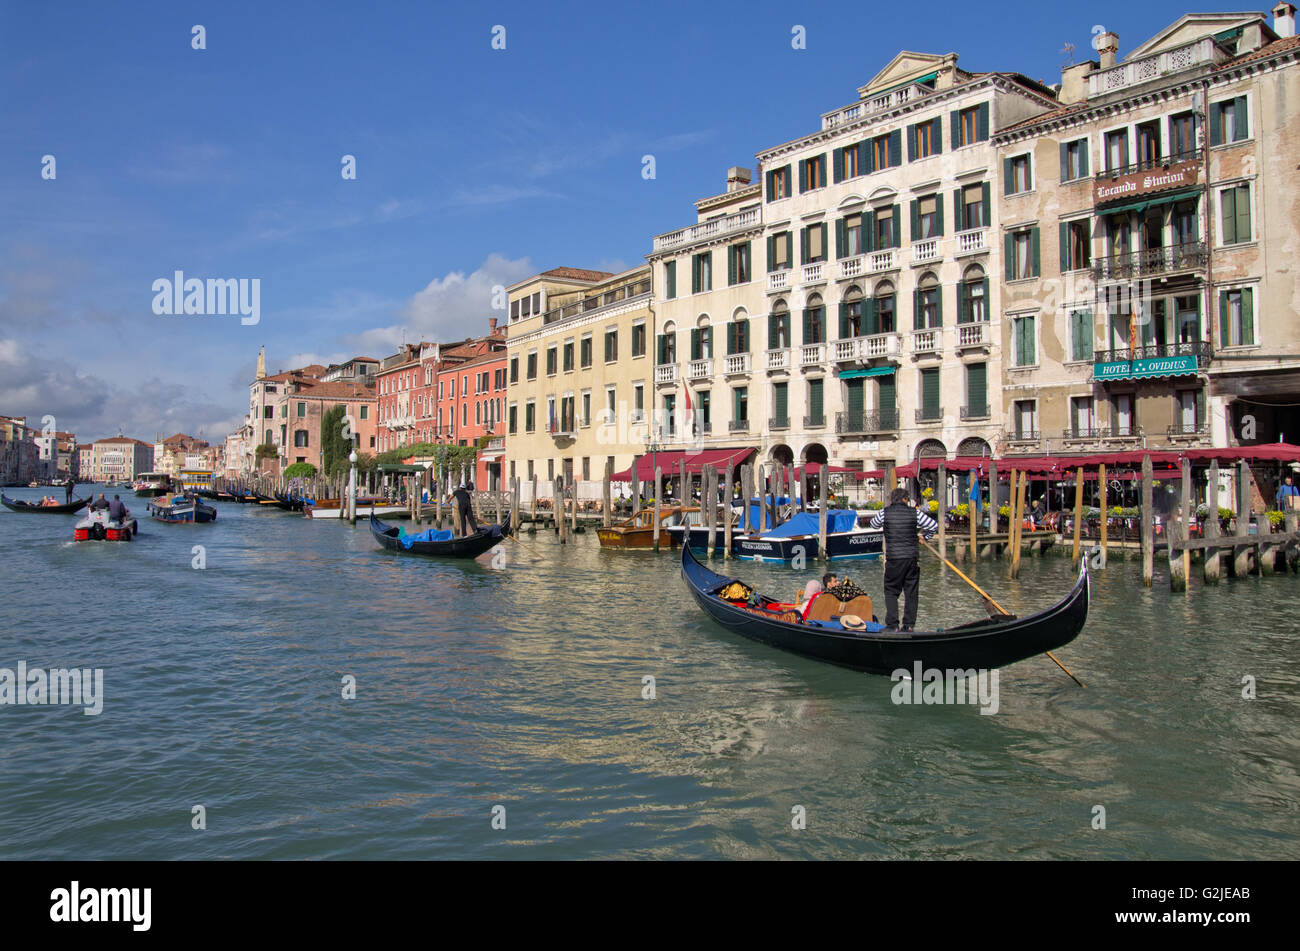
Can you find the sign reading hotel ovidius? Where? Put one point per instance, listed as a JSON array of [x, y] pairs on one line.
[[1136, 184]]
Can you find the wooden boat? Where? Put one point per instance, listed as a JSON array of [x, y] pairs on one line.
[[637, 533], [66, 508], [439, 543], [181, 508], [992, 642], [97, 526]]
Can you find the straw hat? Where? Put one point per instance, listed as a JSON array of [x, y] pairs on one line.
[[851, 622]]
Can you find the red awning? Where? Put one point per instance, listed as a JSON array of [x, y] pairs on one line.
[[645, 467], [1265, 452], [816, 467], [718, 458]]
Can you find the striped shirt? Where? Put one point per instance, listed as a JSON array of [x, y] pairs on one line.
[[924, 524]]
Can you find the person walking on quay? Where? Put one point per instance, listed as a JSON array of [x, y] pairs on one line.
[[465, 502], [902, 572], [1288, 496]]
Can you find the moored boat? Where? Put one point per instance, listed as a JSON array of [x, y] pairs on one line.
[[637, 532], [181, 508], [988, 643], [436, 542], [799, 536]]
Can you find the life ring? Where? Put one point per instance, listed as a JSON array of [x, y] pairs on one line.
[[97, 532]]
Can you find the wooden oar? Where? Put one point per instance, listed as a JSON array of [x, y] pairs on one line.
[[529, 547], [988, 600]]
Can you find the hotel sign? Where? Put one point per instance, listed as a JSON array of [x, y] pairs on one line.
[[1146, 368], [1137, 184]]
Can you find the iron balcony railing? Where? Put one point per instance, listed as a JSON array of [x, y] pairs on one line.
[[1198, 428], [814, 422], [879, 421], [739, 426], [1201, 349], [779, 422], [1189, 256], [931, 414], [1147, 164], [975, 412]]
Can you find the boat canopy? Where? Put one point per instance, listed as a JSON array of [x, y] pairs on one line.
[[808, 523]]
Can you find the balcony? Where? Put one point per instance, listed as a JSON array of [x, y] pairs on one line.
[[886, 260], [876, 105], [880, 421], [1189, 430], [778, 281], [927, 341], [707, 229], [1150, 362], [931, 414], [1150, 164], [1153, 262], [973, 335], [814, 422], [666, 373], [779, 422], [1084, 434], [975, 412], [812, 355], [926, 252], [738, 426], [736, 363], [1203, 52], [975, 241], [597, 301], [699, 369], [813, 273], [778, 359]]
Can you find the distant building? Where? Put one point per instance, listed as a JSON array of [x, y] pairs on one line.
[[120, 459], [19, 455], [180, 451], [85, 460]]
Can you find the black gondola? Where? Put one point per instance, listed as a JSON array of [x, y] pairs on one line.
[[470, 546], [66, 508], [989, 643]]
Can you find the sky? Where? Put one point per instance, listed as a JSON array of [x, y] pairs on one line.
[[475, 165]]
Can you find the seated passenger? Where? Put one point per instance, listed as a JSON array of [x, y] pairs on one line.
[[809, 595], [843, 588]]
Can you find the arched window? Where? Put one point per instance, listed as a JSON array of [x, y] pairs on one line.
[[778, 326], [814, 321], [851, 315], [928, 312], [973, 296], [738, 332], [884, 320], [702, 339], [668, 344]]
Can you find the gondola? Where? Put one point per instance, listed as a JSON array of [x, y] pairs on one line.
[[432, 542], [20, 506], [989, 643]]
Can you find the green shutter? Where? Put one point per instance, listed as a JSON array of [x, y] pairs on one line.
[[845, 330], [770, 184], [1065, 161], [731, 338], [670, 279], [916, 220], [911, 143], [854, 396], [1009, 256], [1248, 317], [1083, 158], [1242, 130], [1065, 247], [1228, 209], [977, 392], [695, 344], [803, 176], [743, 332], [938, 306], [963, 316], [930, 391], [1008, 181], [896, 227], [918, 322], [780, 397], [1225, 337], [663, 349], [695, 274], [1243, 212], [841, 238], [803, 245], [895, 148], [1029, 172], [958, 211], [771, 253], [1034, 268], [936, 135], [869, 230], [815, 408], [954, 125], [870, 317], [987, 210], [887, 392], [773, 331], [807, 326], [863, 152], [983, 123], [938, 214], [1216, 124], [837, 165]]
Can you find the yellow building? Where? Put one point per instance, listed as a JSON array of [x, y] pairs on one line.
[[580, 366]]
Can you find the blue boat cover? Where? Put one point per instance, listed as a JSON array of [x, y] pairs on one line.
[[760, 515], [429, 535], [807, 523]]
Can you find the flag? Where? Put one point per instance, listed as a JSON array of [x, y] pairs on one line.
[[1132, 331], [687, 421], [551, 428], [974, 494]]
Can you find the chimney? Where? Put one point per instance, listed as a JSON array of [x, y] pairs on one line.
[[492, 325], [738, 178], [1284, 20], [1074, 82], [1107, 45]]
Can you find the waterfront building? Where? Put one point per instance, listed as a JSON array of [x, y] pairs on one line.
[[357, 370], [120, 458], [19, 454], [267, 422], [1148, 224], [580, 375], [180, 451], [305, 403], [840, 307], [85, 461]]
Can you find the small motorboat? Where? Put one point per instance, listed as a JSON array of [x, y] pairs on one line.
[[181, 508], [151, 485], [97, 526], [637, 533], [58, 508]]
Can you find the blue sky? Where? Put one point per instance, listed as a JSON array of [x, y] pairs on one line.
[[475, 166]]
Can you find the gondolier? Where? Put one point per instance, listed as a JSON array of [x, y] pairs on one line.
[[902, 573], [465, 502]]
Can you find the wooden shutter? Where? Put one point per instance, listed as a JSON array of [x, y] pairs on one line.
[[670, 279], [1243, 212], [930, 391], [987, 210], [977, 393], [1029, 172], [963, 315], [1216, 124], [1247, 316], [1065, 161], [769, 184], [938, 305], [870, 317], [845, 332], [854, 396], [896, 227], [837, 165], [938, 214], [869, 230], [841, 238], [815, 407], [916, 220], [807, 326], [742, 333], [887, 392], [1009, 256], [663, 349], [1008, 179], [863, 152], [983, 122], [954, 126], [911, 143], [1065, 247], [1083, 158], [781, 399], [918, 318], [1034, 268], [695, 344], [803, 176], [773, 332], [731, 338], [936, 136], [695, 274], [1242, 130], [1225, 336], [958, 211], [896, 148]]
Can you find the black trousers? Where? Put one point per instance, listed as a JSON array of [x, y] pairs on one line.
[[467, 523], [902, 575]]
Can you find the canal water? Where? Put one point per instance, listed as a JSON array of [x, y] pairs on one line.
[[522, 685]]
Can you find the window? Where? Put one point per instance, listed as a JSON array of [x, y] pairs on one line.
[[1184, 222], [887, 150], [1182, 137], [848, 162], [1022, 254], [702, 343], [585, 418], [1228, 122], [977, 390], [568, 357], [1118, 234], [972, 206], [1074, 160], [1237, 318], [780, 251], [972, 297], [1235, 218], [740, 396], [1189, 411], [848, 237], [778, 183], [530, 417], [611, 345], [567, 420], [1148, 144], [638, 399], [1076, 245], [924, 140], [781, 404], [365, 412], [1081, 418], [816, 402], [300, 439], [1024, 415], [927, 218], [1117, 150], [970, 125], [584, 352], [851, 314], [778, 327], [738, 336], [884, 311], [930, 409], [513, 420], [738, 266], [514, 310], [670, 279], [812, 243], [703, 411], [532, 371], [668, 346], [638, 339], [668, 421], [1187, 317], [887, 230], [1023, 328], [514, 369], [1081, 335], [1016, 175], [928, 306], [814, 321], [702, 272], [812, 173], [1123, 421], [551, 362], [284, 410], [611, 403]]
